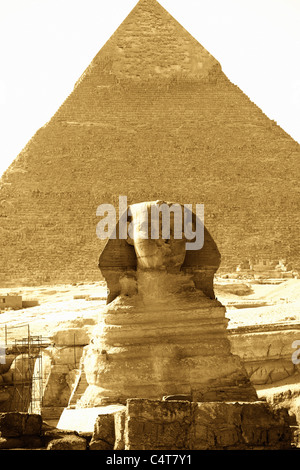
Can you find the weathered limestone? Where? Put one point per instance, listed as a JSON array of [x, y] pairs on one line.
[[27, 431], [158, 425], [161, 335], [20, 430], [60, 369], [104, 433], [19, 424], [266, 352], [17, 368], [181, 425], [70, 442], [286, 396]]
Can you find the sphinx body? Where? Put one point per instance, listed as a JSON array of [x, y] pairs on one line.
[[163, 332]]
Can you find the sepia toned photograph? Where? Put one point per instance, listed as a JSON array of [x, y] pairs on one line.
[[149, 228]]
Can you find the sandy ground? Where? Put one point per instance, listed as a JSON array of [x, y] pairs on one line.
[[58, 307], [282, 304]]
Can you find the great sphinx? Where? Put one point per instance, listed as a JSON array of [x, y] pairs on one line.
[[163, 332]]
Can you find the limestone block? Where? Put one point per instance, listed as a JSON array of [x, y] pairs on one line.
[[57, 390], [20, 369], [158, 425], [120, 419], [99, 444], [33, 425], [269, 344], [261, 426], [267, 355], [70, 442], [265, 372], [226, 436], [15, 424], [66, 355], [71, 337], [11, 424], [10, 443], [216, 425], [59, 364], [296, 432], [104, 433]]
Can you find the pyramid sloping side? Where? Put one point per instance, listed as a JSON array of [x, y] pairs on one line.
[[189, 137]]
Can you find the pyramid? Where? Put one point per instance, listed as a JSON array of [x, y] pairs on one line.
[[152, 117]]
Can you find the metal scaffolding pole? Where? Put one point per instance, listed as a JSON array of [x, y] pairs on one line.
[[26, 383]]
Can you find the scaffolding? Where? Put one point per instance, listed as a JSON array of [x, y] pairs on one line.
[[26, 371]]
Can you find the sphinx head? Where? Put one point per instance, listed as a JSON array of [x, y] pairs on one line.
[[156, 243], [156, 231]]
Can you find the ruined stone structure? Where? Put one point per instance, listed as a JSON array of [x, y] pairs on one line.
[[177, 425], [11, 301], [161, 334], [163, 425], [152, 117]]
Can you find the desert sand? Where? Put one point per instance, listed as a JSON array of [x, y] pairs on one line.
[[66, 305]]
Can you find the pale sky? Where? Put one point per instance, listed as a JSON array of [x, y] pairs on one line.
[[47, 44]]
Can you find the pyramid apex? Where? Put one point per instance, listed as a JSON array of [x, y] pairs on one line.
[[148, 1], [150, 43]]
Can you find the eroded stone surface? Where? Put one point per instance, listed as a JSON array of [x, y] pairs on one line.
[[174, 425], [16, 424], [68, 443], [104, 433], [266, 352], [162, 335]]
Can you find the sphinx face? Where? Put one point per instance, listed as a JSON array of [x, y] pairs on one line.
[[159, 241]]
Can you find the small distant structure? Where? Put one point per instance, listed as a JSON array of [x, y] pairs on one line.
[[10, 301], [264, 266], [245, 265]]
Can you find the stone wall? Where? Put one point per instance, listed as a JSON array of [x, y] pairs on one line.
[[182, 425], [266, 352], [159, 425], [27, 431]]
